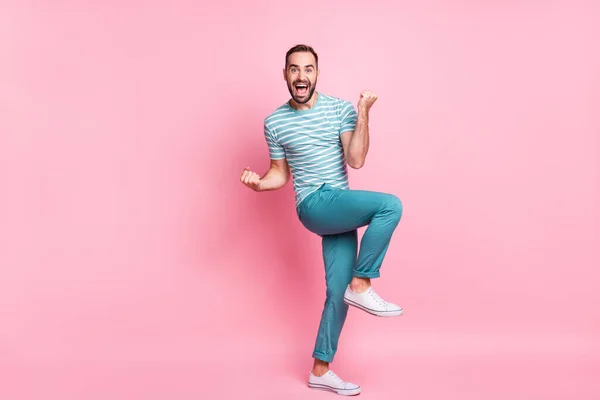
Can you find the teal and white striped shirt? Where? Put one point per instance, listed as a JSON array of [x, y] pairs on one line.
[[310, 141]]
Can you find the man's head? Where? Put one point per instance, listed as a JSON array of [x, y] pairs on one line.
[[301, 72]]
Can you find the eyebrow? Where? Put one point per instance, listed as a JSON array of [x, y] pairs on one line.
[[307, 66]]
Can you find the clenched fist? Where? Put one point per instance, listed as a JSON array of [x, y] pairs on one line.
[[250, 179], [367, 98]]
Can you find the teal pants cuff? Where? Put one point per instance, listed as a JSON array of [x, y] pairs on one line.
[[375, 274], [323, 357]]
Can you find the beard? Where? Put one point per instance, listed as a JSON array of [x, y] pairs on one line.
[[302, 98]]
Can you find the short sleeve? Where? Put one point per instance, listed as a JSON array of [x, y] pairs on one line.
[[276, 151], [348, 117]]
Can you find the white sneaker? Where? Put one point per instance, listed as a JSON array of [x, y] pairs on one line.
[[330, 381], [370, 302]]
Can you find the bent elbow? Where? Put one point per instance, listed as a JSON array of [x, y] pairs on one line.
[[356, 164]]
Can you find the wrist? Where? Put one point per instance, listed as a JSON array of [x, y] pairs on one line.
[[363, 113]]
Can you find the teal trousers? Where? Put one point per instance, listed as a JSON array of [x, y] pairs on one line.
[[335, 215]]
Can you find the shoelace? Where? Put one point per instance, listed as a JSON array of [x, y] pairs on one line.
[[378, 299], [337, 378]]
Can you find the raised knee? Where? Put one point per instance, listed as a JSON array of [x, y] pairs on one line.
[[394, 205]]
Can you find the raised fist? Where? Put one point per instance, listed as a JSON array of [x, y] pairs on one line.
[[250, 179], [366, 100]]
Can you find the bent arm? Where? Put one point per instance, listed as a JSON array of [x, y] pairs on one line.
[[276, 177], [356, 143]]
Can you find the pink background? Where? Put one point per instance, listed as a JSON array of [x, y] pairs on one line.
[[134, 265]]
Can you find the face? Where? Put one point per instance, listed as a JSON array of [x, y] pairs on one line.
[[301, 76]]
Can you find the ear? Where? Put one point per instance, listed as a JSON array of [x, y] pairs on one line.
[[285, 74]]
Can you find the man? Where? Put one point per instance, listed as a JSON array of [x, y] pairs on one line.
[[316, 136]]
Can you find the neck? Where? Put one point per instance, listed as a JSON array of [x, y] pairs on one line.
[[306, 106]]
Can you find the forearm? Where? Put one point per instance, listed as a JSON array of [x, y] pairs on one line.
[[274, 179], [359, 145]]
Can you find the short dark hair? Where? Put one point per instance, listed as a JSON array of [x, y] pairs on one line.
[[301, 48]]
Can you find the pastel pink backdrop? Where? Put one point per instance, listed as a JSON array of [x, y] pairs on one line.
[[134, 265]]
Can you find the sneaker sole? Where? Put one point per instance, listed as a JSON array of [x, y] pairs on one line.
[[374, 312], [343, 392]]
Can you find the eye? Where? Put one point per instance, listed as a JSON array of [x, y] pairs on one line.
[[293, 70], [308, 71]]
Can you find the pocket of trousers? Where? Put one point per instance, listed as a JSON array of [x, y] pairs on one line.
[[305, 206]]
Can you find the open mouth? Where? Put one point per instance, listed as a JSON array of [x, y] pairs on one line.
[[301, 89]]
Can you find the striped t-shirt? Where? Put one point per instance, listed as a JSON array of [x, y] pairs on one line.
[[310, 141]]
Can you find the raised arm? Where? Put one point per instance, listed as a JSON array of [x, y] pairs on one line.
[[356, 142]]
